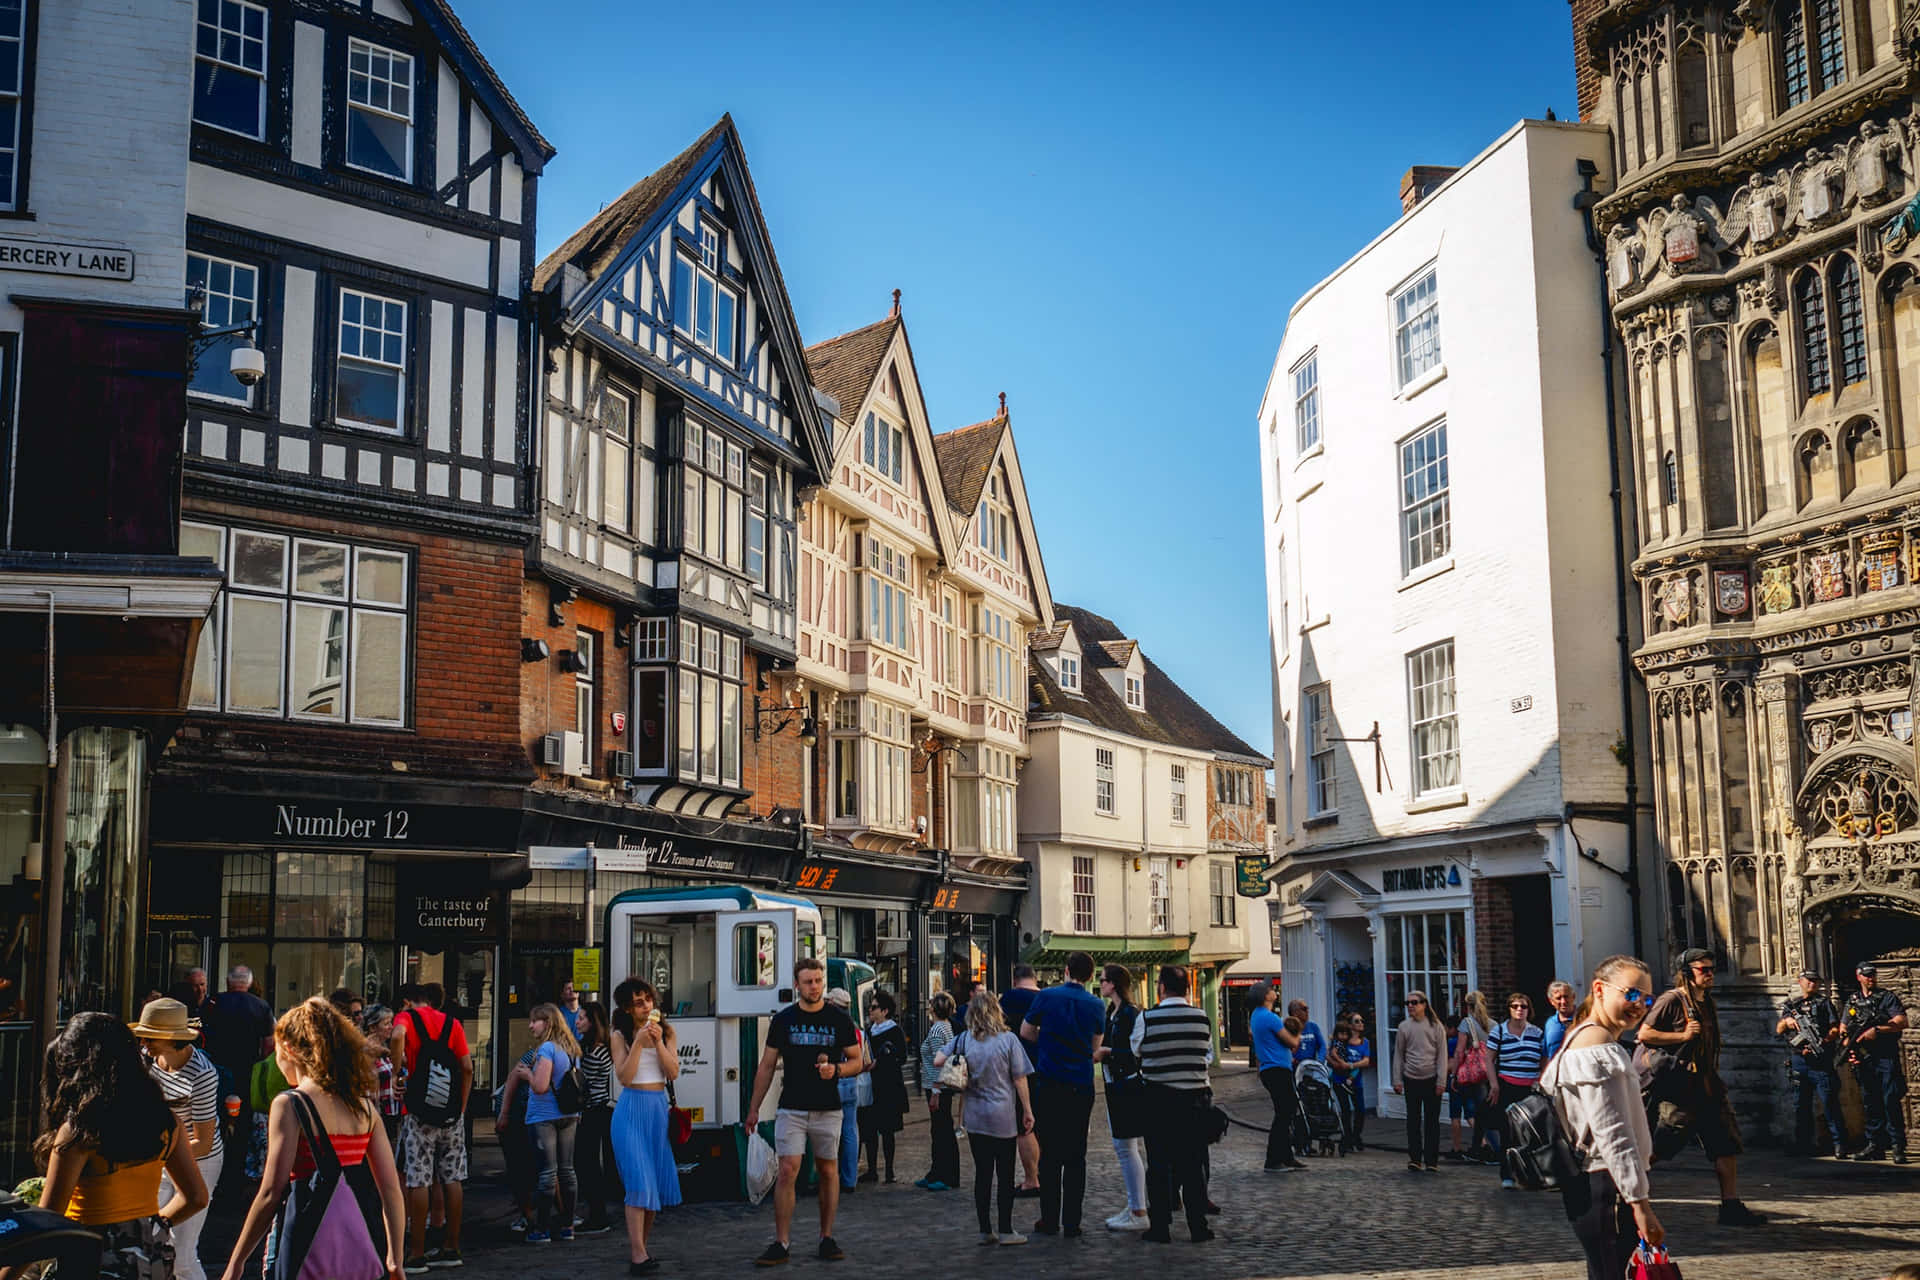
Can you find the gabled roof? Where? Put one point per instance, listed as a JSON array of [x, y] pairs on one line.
[[533, 148], [594, 247], [1171, 715], [1047, 639], [616, 232], [845, 367], [966, 457]]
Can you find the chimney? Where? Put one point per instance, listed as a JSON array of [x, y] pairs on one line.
[[1421, 181]]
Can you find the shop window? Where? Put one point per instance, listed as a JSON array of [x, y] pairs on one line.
[[105, 773], [1425, 952]]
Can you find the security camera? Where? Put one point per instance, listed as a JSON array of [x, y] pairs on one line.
[[247, 365]]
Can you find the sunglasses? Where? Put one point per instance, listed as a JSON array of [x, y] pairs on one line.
[[1634, 995], [1702, 968], [1524, 1008], [1412, 1003]]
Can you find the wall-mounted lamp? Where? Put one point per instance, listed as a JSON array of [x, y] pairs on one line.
[[559, 594], [570, 660], [532, 650], [1136, 864], [247, 365], [778, 716], [930, 750]]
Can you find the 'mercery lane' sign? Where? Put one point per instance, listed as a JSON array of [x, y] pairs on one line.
[[100, 262]]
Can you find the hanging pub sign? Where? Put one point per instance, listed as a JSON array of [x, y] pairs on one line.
[[438, 903], [1250, 875]]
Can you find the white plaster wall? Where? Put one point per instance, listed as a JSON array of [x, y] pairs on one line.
[[1530, 562], [112, 94]]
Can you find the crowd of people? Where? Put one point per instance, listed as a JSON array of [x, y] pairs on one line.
[[346, 1119]]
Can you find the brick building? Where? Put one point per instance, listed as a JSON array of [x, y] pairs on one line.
[[1763, 283], [1456, 768], [343, 807]]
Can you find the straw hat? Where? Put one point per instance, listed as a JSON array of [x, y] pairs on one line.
[[166, 1020]]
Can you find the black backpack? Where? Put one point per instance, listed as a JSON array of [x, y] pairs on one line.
[[433, 1084], [570, 1089], [1539, 1156]]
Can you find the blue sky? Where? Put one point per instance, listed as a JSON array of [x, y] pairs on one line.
[[1104, 213]]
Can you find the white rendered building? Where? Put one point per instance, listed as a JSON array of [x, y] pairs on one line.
[[1434, 444]]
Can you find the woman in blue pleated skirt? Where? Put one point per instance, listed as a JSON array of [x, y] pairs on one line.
[[646, 1058]]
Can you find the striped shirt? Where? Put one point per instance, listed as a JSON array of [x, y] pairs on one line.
[[1521, 1056], [194, 1094], [596, 1064], [1176, 1042]]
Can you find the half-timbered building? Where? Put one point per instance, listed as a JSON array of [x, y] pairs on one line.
[[359, 211], [676, 426], [909, 647]]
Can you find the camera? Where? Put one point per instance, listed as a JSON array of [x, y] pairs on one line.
[[247, 365]]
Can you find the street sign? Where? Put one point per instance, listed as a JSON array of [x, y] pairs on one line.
[[586, 969]]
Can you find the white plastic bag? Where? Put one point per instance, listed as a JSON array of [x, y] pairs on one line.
[[762, 1168]]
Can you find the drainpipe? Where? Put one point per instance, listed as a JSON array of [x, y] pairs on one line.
[[1584, 202]]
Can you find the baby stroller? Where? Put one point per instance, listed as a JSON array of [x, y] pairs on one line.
[[1319, 1123]]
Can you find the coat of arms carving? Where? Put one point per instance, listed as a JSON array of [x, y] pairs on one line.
[[1820, 735], [1880, 569], [1730, 591], [1776, 588], [1676, 601], [1827, 576]]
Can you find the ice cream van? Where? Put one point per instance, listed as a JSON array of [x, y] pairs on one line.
[[721, 957]]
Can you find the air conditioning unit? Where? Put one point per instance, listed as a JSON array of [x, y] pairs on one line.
[[620, 764], [566, 752]]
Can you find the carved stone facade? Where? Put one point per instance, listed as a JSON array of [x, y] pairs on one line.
[[1764, 269]]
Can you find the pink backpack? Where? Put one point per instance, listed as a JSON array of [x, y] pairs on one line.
[[332, 1227]]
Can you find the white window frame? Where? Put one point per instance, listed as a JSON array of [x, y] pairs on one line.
[[238, 68], [1222, 911], [223, 308], [884, 594], [1323, 787], [1444, 986], [1426, 516], [1069, 673], [616, 465], [1085, 899], [1136, 687], [1416, 326], [341, 357], [13, 146], [686, 317], [1306, 403], [1433, 715], [653, 639], [1177, 794], [585, 693], [1160, 905], [1103, 792], [396, 59]]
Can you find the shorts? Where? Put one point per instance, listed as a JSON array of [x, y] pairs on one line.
[[434, 1153], [1707, 1118], [795, 1131]]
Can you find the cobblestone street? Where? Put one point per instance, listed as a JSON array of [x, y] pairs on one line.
[[1362, 1216]]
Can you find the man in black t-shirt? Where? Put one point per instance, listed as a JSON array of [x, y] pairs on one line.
[[815, 1045], [238, 1030], [1014, 1004]]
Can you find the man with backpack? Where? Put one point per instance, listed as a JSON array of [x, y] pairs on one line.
[[433, 1045]]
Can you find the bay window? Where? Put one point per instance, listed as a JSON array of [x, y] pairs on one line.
[[305, 628], [985, 820], [998, 667], [697, 687], [883, 596], [714, 505]]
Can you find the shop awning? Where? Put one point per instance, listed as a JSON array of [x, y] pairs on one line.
[[1054, 948]]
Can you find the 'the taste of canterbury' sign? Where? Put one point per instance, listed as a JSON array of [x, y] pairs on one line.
[[98, 262]]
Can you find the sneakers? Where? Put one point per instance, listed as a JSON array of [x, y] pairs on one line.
[[1508, 1184], [443, 1258], [1433, 1168], [1900, 1155], [519, 1226], [937, 1185], [1025, 1193], [564, 1235], [416, 1266], [1127, 1220], [987, 1237], [1013, 1237], [1413, 1166], [1733, 1213], [593, 1228], [1202, 1236], [646, 1268], [536, 1236], [1044, 1228], [829, 1251], [776, 1254], [1153, 1235]]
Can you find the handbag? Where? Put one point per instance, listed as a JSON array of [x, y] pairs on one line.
[[679, 1121], [863, 1083], [1650, 1262], [954, 1075], [1473, 1065]]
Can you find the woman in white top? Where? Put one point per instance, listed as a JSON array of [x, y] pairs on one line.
[[646, 1059], [1593, 1083]]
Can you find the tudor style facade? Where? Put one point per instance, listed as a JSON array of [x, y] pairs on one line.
[[919, 571], [1763, 275], [363, 187]]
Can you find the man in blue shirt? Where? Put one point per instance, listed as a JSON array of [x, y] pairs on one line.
[[1064, 1025], [1014, 1003], [1273, 1050], [1312, 1043], [1561, 996]]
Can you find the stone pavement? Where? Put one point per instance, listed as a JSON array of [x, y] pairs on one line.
[[1346, 1218]]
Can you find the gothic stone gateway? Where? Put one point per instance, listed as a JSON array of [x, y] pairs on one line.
[[1764, 274]]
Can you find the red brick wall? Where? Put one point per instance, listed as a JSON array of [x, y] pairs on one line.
[[774, 768], [1493, 941], [1586, 74], [547, 693], [464, 700]]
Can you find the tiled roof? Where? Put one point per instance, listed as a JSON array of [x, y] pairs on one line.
[[1171, 715], [1120, 651], [966, 456], [844, 367], [1047, 638], [490, 80], [594, 247]]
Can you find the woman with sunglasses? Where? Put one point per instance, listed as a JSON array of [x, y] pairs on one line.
[[1595, 1087], [1419, 1064], [1519, 1050]]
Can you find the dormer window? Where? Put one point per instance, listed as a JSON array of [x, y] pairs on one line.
[[1136, 693], [1069, 673], [704, 308], [996, 522], [884, 448]]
